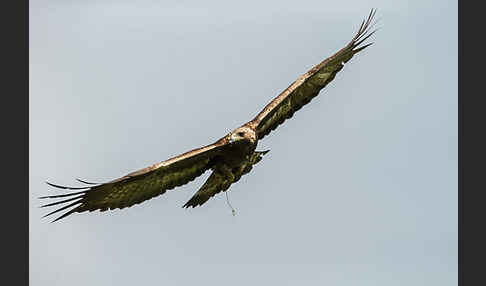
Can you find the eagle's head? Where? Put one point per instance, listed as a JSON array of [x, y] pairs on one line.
[[243, 133]]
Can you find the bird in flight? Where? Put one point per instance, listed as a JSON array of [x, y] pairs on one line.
[[229, 158]]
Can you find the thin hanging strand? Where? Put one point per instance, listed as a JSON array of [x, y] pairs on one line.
[[228, 202]]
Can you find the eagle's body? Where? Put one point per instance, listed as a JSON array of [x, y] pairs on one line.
[[229, 158], [236, 159]]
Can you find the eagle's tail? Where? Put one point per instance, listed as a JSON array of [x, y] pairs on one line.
[[217, 183]]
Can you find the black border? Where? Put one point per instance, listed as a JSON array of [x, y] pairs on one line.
[[471, 122], [15, 132]]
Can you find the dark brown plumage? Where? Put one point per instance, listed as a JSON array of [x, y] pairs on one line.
[[229, 158]]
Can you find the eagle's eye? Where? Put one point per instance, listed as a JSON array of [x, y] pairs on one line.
[[240, 134]]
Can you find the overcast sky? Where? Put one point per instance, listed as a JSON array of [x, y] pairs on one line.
[[359, 188]]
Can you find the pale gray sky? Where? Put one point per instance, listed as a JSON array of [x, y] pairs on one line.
[[360, 186]]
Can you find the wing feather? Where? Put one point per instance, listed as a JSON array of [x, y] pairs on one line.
[[308, 86], [143, 184]]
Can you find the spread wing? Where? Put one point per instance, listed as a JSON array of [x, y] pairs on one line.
[[217, 183], [140, 185], [307, 86]]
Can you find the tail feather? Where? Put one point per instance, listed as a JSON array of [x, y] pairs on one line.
[[216, 183]]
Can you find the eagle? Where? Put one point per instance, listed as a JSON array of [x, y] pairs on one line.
[[229, 158]]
